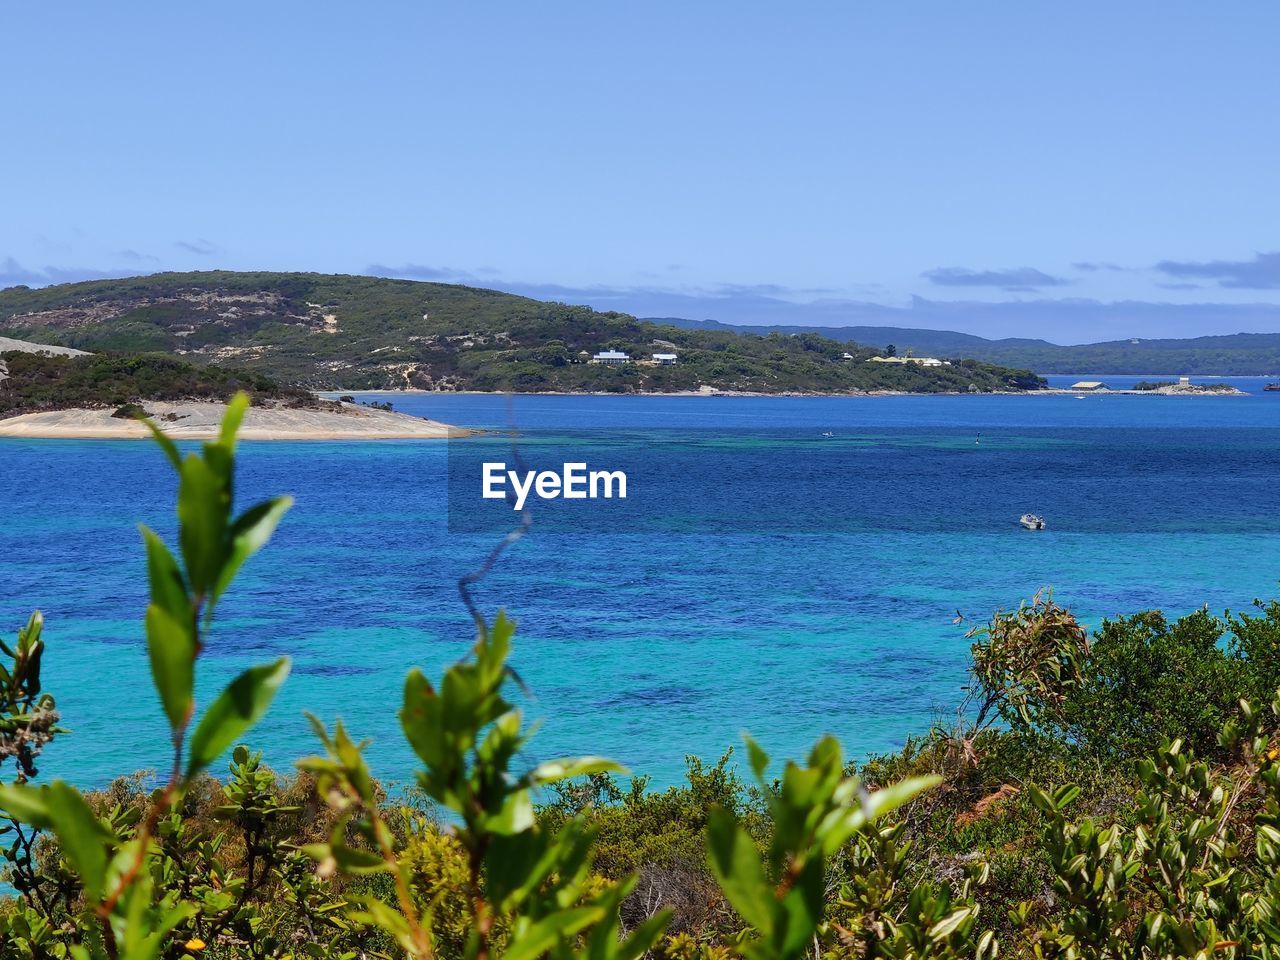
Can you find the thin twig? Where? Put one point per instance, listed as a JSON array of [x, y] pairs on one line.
[[468, 580]]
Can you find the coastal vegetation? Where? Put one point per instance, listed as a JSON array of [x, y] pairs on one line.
[[1238, 354], [1105, 794], [36, 382], [352, 332]]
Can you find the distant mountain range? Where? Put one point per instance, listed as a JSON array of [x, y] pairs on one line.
[[1241, 354]]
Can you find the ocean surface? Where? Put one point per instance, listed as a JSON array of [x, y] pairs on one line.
[[783, 566]]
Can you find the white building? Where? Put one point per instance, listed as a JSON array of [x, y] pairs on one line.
[[921, 361], [664, 359], [613, 357]]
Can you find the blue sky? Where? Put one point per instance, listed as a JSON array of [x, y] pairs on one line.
[[1074, 171]]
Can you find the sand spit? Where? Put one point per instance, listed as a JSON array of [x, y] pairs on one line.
[[198, 420]]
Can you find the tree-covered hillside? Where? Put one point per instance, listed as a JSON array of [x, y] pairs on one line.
[[31, 382], [354, 332], [1238, 354]]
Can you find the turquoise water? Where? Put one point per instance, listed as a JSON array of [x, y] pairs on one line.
[[709, 607]]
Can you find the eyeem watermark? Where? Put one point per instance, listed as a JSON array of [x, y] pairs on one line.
[[573, 482]]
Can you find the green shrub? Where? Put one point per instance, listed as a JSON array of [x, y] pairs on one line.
[[1150, 682], [125, 381]]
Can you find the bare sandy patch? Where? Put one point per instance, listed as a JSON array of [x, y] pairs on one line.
[[198, 420]]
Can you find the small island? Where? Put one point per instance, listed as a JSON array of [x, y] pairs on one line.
[[1182, 387]]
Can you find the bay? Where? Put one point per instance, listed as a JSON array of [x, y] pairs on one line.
[[825, 604]]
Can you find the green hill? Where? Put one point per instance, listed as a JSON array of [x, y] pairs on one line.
[[1239, 354], [356, 332]]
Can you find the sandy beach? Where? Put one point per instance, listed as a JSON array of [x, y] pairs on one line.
[[200, 421]]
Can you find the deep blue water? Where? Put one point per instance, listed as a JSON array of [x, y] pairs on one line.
[[760, 576]]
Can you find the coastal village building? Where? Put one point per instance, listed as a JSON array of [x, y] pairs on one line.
[[664, 359], [1090, 385], [612, 357], [922, 361]]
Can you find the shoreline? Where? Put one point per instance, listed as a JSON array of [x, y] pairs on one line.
[[200, 420], [869, 394]]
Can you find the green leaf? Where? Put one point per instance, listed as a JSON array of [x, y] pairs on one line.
[[802, 909], [168, 446], [1063, 796], [421, 719], [517, 865], [514, 816], [558, 927], [26, 805], [554, 771], [141, 927], [171, 645], [232, 419], [889, 798], [29, 635], [644, 936], [735, 862], [168, 589], [383, 916], [848, 820], [81, 836], [204, 502], [950, 923], [1040, 800], [249, 534], [237, 708], [758, 758], [351, 860]]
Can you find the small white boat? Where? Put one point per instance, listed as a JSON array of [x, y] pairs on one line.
[[828, 434], [1031, 521], [1079, 396]]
